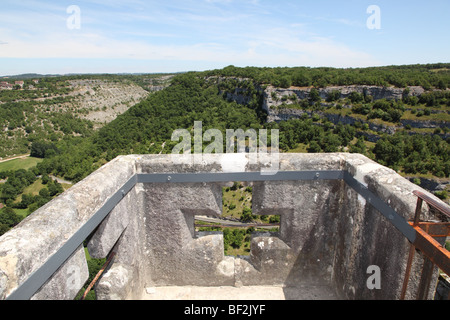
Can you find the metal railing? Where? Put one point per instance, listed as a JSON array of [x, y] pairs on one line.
[[435, 252]]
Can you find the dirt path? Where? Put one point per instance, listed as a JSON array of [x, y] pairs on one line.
[[60, 180], [17, 157]]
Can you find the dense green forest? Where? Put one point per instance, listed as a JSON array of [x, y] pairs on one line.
[[428, 76], [148, 126], [71, 148]]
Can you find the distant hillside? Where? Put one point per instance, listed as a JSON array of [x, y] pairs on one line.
[[72, 125], [58, 107], [427, 76], [362, 110], [28, 76], [79, 75], [234, 101]]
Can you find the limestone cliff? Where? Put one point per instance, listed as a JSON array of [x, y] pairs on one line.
[[275, 97], [276, 101], [103, 101]]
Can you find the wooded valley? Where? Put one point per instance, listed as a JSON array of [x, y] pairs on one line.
[[48, 121]]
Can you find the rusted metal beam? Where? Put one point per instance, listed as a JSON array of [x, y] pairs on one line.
[[425, 242], [98, 275], [412, 249], [436, 229], [418, 210], [432, 249]]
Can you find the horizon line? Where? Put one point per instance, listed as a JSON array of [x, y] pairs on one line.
[[187, 71]]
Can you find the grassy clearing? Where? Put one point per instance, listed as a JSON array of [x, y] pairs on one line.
[[34, 188], [17, 164], [234, 201], [23, 213], [443, 116], [301, 148]]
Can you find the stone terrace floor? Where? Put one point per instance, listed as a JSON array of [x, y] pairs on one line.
[[240, 293]]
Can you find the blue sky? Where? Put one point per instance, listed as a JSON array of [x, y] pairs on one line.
[[173, 35]]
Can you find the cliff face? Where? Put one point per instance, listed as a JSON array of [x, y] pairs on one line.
[[274, 97], [276, 102], [375, 91], [103, 101]]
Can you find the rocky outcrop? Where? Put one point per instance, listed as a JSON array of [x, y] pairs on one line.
[[275, 97], [102, 101], [276, 102], [425, 124], [431, 184]]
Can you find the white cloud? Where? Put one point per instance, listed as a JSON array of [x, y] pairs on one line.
[[189, 34], [275, 48]]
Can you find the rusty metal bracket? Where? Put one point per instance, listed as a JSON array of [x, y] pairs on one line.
[[436, 229], [434, 252]]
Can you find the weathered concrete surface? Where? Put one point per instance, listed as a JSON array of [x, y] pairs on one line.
[[71, 277], [25, 248], [329, 235], [175, 255]]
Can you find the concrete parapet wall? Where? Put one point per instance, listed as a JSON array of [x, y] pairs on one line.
[[29, 245], [329, 234]]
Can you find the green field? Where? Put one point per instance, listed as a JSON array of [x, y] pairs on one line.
[[22, 212], [17, 164], [33, 189], [234, 201]]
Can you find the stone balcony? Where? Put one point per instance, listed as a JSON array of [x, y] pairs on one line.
[[342, 215]]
